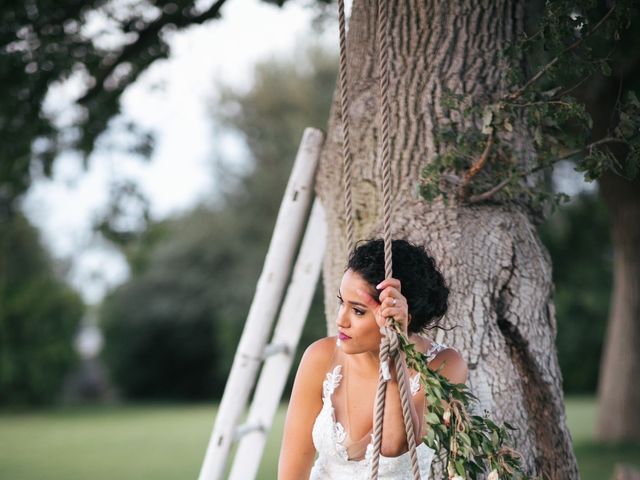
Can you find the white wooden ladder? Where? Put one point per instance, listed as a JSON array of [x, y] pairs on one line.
[[253, 348]]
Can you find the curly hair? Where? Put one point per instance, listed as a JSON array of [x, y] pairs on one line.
[[421, 282]]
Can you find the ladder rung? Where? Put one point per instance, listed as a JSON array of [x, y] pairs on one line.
[[246, 428], [274, 349]]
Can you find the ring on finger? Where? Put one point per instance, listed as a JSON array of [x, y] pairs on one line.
[[394, 302]]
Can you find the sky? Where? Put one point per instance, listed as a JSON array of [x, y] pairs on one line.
[[173, 99]]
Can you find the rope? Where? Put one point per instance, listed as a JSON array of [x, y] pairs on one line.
[[390, 337], [344, 117], [389, 343]]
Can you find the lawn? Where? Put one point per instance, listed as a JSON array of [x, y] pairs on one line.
[[166, 442]]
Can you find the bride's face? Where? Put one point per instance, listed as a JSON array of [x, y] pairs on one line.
[[358, 330]]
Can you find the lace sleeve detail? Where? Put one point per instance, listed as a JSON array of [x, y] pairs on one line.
[[435, 349], [331, 382]]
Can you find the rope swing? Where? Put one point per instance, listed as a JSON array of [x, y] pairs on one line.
[[390, 344]]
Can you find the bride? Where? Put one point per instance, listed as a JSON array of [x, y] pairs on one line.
[[331, 407]]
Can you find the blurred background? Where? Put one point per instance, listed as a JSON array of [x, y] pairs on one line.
[[130, 248]]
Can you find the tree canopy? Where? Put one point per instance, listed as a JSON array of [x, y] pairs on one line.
[[102, 44]]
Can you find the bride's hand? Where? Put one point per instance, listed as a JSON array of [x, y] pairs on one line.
[[392, 304]]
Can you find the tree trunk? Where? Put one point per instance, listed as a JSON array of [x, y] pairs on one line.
[[618, 387], [498, 271]]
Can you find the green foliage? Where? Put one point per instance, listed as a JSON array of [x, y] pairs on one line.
[[39, 316], [578, 239], [159, 332], [571, 45], [179, 318], [473, 445]]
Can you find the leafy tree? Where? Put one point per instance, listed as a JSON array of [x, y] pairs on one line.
[[578, 239], [181, 314], [39, 316], [45, 42]]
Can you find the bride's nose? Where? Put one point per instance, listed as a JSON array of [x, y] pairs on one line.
[[342, 319]]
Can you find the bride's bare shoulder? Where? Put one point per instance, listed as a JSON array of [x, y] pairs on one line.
[[422, 343], [454, 367], [317, 357]]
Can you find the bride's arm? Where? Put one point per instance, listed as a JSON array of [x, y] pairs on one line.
[[297, 450]]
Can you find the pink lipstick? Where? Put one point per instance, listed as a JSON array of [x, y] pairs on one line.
[[342, 336]]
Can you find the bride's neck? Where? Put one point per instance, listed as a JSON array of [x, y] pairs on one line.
[[369, 362], [366, 363]]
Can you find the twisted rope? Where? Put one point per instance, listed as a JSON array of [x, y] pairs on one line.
[[389, 343], [405, 400], [381, 393], [390, 337], [344, 117]]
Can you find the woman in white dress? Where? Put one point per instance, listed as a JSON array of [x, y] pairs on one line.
[[331, 407]]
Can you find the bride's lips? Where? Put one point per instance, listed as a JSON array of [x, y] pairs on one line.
[[342, 336]]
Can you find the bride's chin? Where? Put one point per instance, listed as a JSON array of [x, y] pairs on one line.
[[348, 348]]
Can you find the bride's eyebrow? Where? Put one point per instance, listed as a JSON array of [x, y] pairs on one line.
[[351, 302]]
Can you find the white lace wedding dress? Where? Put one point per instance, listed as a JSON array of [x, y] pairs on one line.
[[329, 437]]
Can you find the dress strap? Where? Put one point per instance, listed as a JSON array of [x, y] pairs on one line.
[[435, 349], [331, 382], [333, 376]]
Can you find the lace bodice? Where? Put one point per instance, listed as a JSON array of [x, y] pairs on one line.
[[333, 461]]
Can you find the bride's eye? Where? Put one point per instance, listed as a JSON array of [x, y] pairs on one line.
[[358, 312]]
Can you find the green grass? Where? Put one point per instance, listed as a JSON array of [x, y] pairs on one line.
[[595, 461], [165, 442]]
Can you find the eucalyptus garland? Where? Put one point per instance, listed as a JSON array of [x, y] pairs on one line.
[[474, 445]]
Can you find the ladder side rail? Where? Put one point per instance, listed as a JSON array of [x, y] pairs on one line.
[[269, 290], [288, 330]]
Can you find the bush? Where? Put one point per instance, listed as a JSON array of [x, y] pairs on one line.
[[160, 340], [39, 316]]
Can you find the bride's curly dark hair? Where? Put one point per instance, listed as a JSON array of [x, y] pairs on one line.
[[421, 282]]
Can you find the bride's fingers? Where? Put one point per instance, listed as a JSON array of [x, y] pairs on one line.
[[390, 292], [398, 314], [389, 282], [391, 311], [395, 302]]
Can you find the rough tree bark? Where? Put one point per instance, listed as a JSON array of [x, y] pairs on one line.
[[618, 388], [498, 271]]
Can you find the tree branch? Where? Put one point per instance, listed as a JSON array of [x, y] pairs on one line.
[[571, 89], [486, 195], [544, 69], [147, 37], [476, 167], [489, 193], [541, 102], [589, 147]]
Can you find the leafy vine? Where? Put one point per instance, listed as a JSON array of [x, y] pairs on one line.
[[474, 444]]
